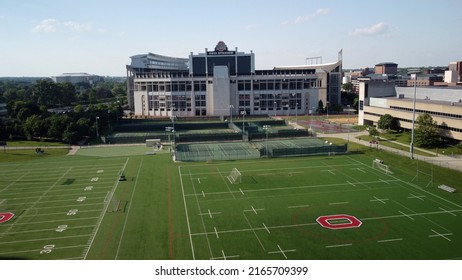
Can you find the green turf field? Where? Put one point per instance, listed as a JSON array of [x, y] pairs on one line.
[[74, 207]]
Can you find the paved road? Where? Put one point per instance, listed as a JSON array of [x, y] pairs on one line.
[[438, 159]]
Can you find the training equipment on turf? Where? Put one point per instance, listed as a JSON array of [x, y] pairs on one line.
[[378, 164], [424, 174], [235, 177]]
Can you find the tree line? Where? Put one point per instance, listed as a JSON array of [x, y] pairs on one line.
[[59, 111]]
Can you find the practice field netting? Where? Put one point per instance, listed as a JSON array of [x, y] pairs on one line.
[[316, 208], [256, 149]]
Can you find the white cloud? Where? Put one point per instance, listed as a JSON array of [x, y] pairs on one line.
[[251, 27], [46, 26], [305, 18], [78, 27], [376, 29], [54, 25]]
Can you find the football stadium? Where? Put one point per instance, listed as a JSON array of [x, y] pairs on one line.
[[208, 191]]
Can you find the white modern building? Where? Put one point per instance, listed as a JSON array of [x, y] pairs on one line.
[[221, 82], [75, 78], [444, 104]]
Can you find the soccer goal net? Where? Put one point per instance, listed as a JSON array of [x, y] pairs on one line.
[[235, 177], [378, 164]]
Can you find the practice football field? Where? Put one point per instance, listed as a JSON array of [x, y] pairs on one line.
[[323, 207]]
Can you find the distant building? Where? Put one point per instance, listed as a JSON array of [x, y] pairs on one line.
[[425, 80], [221, 82], [444, 104], [388, 68], [457, 67], [75, 78]]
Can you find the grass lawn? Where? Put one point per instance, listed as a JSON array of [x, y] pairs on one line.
[[74, 207], [396, 146]]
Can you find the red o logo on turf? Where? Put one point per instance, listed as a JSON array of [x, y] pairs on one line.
[[5, 217], [340, 221]]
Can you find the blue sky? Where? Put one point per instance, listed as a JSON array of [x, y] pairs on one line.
[[50, 37]]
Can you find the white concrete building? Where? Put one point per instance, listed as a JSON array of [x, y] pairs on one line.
[[223, 82], [444, 104]]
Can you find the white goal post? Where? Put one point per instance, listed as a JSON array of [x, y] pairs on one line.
[[378, 164], [235, 177]]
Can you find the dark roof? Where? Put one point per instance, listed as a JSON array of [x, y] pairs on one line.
[[386, 64]]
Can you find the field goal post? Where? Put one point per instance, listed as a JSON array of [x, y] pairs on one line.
[[3, 204], [378, 164], [424, 174], [235, 176]]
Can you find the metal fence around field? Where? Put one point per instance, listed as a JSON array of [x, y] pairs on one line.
[[215, 151], [253, 150]]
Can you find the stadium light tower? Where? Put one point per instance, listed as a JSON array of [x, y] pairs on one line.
[[411, 146], [231, 107], [266, 128], [97, 132], [243, 113]]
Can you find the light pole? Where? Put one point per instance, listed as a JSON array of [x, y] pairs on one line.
[[327, 109], [275, 108], [97, 132], [169, 130], [296, 112], [411, 147], [266, 128], [231, 107], [243, 113]]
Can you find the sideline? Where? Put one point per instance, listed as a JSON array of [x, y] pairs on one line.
[[440, 160]]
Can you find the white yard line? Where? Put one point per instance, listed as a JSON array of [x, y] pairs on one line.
[[186, 213], [128, 210], [103, 213]]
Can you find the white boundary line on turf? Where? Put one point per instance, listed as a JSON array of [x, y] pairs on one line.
[[382, 200], [450, 213], [268, 169], [191, 179], [298, 206], [43, 239], [282, 251], [339, 203], [186, 214], [38, 250], [103, 213], [340, 245], [389, 240], [433, 222], [315, 223], [128, 210], [406, 215], [254, 233], [266, 228], [292, 188], [14, 182], [415, 187], [443, 235]]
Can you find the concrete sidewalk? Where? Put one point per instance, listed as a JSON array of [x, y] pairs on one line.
[[438, 159]]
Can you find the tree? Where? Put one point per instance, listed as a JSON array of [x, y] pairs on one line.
[[320, 109], [373, 132], [388, 122], [348, 87], [426, 132]]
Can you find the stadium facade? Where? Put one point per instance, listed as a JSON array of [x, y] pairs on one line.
[[224, 82]]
